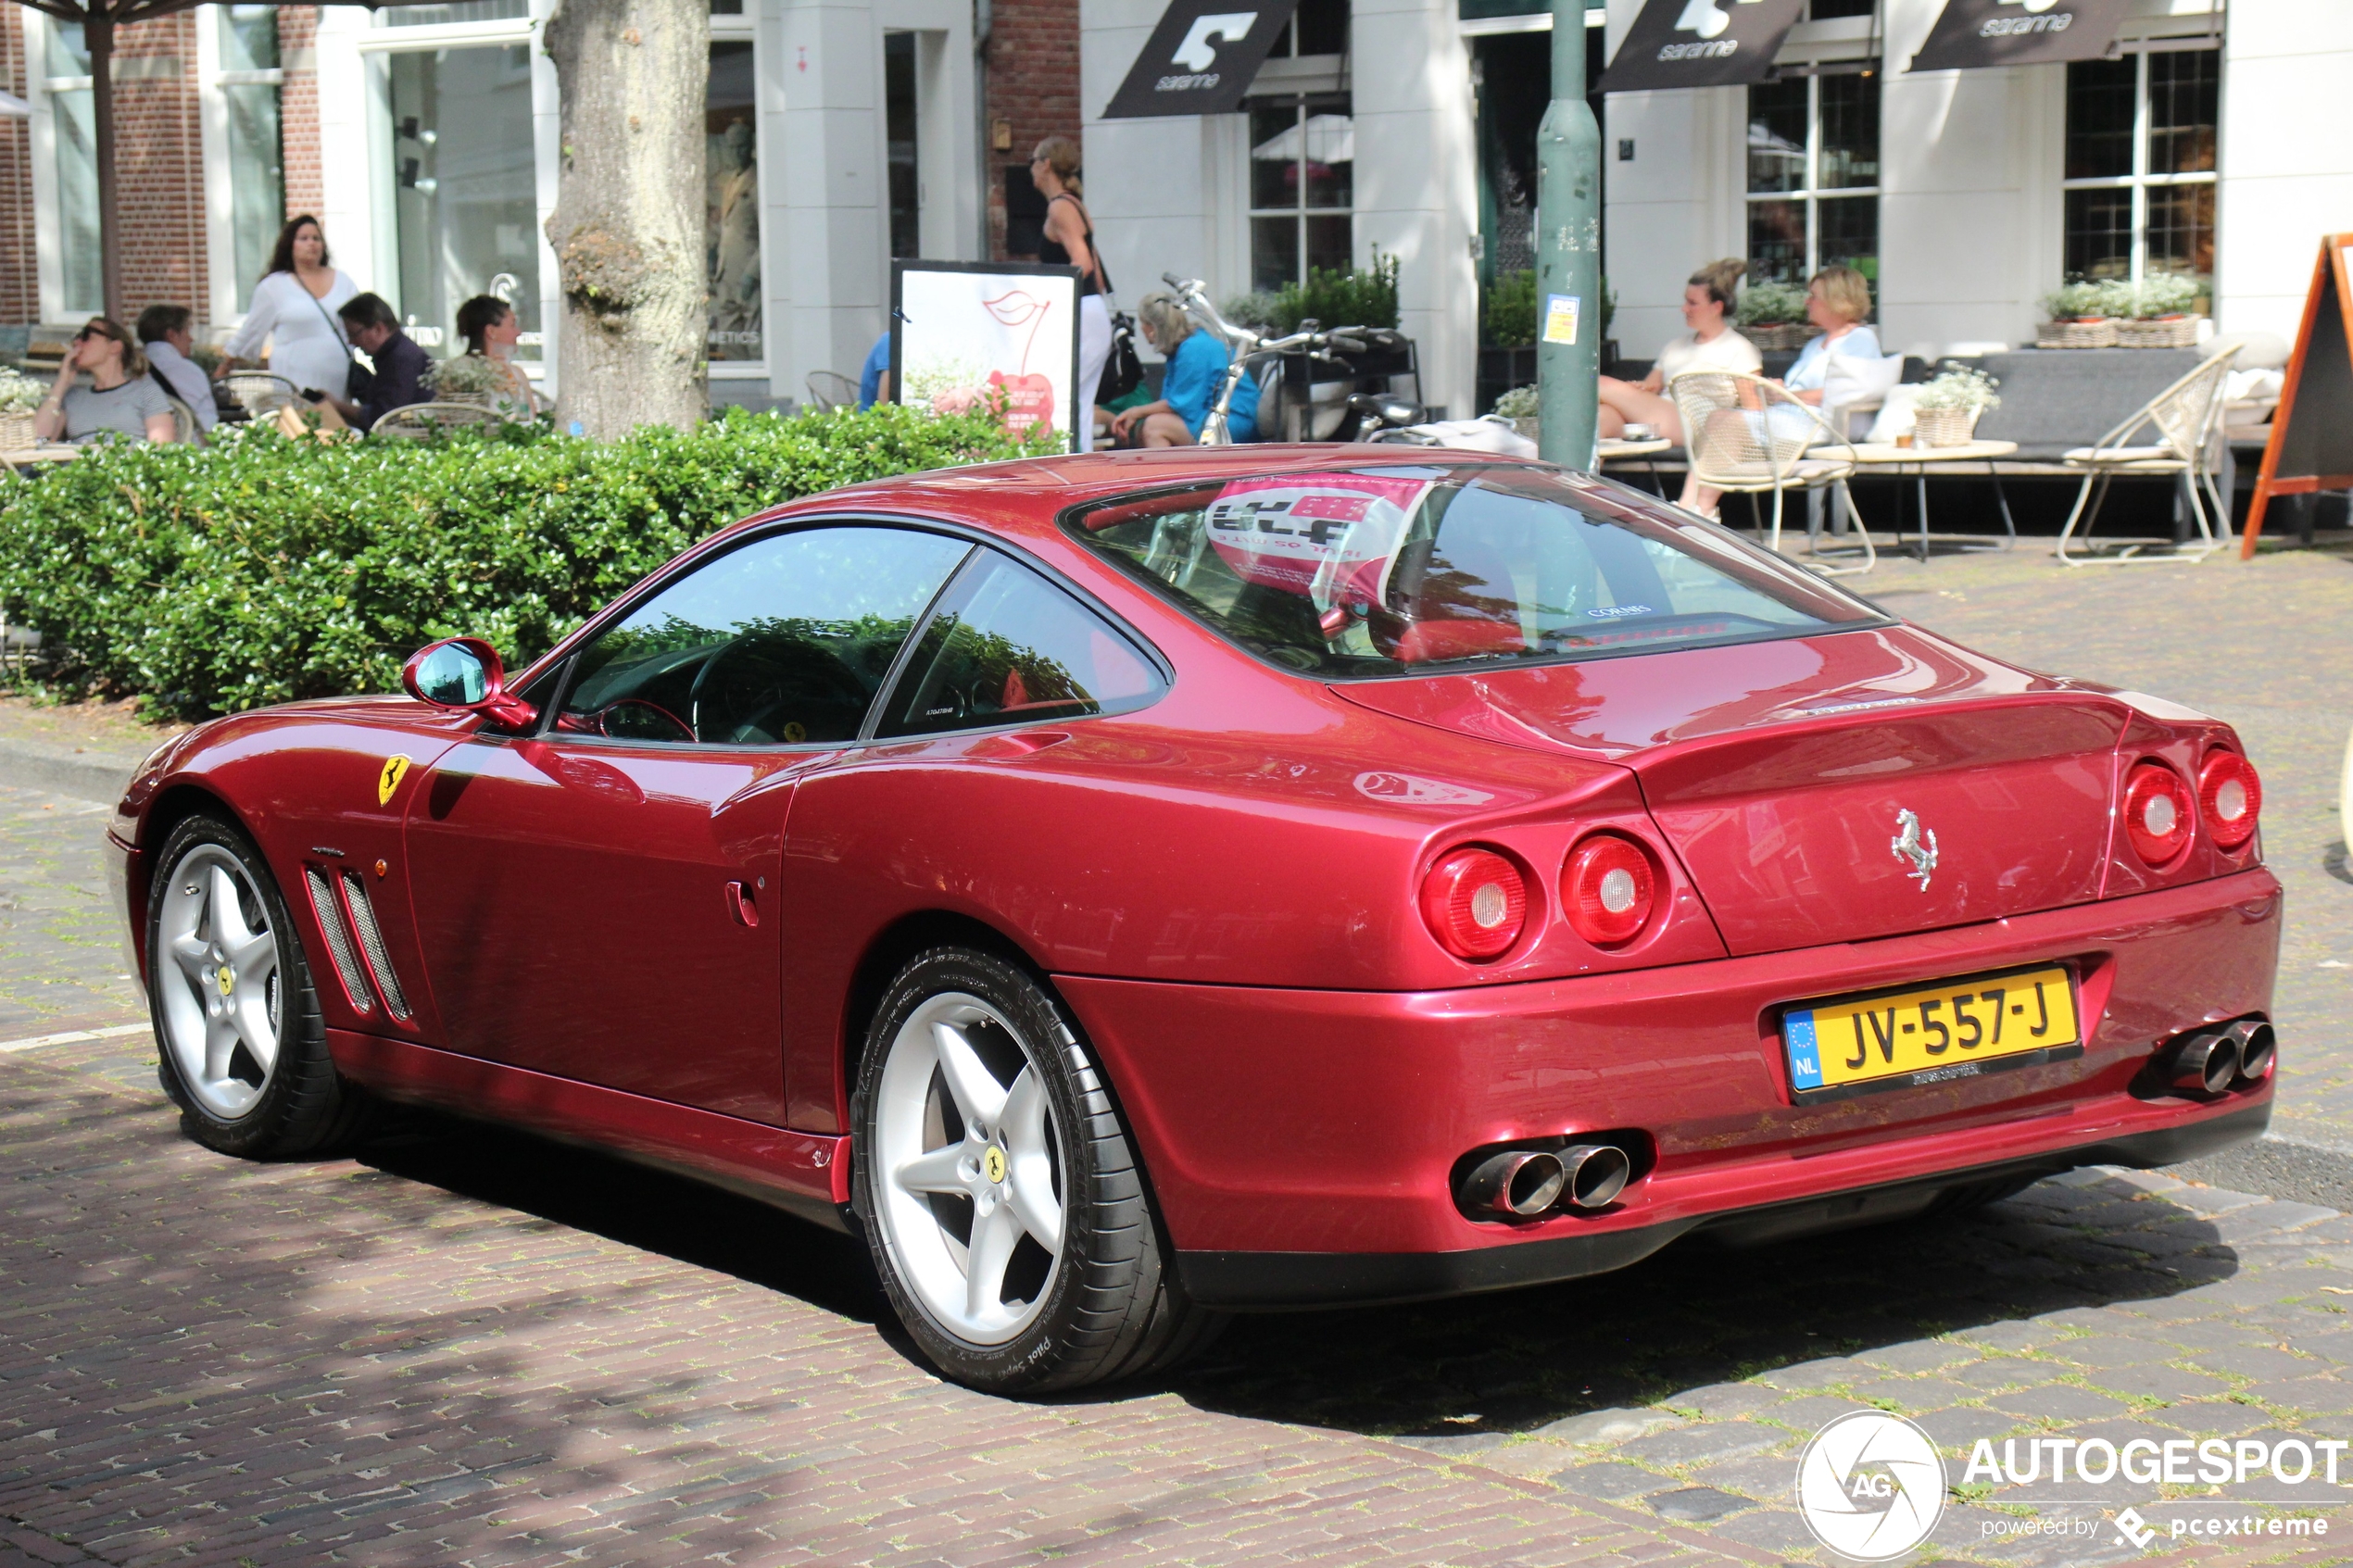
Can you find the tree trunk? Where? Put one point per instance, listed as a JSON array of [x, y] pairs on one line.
[[628, 225]]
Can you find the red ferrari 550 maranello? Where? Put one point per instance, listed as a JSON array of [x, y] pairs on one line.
[[1133, 888]]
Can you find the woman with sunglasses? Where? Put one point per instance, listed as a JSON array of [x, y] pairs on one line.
[[120, 397]]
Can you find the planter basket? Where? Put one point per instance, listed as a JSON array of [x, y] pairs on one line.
[[2181, 331], [1944, 427], [1768, 339], [16, 433], [2076, 335]]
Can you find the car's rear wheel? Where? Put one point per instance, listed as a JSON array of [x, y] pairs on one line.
[[1005, 1208], [241, 1045]]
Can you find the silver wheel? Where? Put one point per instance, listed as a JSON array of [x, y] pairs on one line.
[[968, 1170], [217, 985]]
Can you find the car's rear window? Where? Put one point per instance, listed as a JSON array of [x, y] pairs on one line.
[[1388, 571]]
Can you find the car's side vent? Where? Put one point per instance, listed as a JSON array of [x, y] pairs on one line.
[[372, 942], [324, 904]]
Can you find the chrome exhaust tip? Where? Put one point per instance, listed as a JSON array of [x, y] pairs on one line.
[[1597, 1172], [2205, 1063], [2258, 1046], [1522, 1182]]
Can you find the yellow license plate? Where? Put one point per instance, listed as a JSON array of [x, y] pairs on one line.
[[1930, 1034]]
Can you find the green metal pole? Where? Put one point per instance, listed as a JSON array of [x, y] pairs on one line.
[[1569, 252]]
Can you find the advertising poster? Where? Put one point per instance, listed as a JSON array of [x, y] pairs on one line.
[[969, 333]]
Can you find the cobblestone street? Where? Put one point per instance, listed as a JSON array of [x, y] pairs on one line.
[[472, 1346]]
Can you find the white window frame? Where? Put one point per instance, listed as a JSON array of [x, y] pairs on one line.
[[49, 204], [1813, 192], [221, 242], [2141, 182]]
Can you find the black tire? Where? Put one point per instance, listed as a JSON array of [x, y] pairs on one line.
[[1113, 1307], [305, 1107]]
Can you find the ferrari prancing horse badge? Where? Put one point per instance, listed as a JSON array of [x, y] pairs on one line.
[[395, 769]]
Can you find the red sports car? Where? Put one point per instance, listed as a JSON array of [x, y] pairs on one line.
[[1134, 889]]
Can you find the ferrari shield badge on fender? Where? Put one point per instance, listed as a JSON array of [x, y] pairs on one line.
[[1907, 845], [395, 769]]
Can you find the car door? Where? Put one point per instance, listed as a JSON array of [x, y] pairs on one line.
[[981, 750], [601, 899]]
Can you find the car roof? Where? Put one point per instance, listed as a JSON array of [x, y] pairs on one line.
[[1022, 498]]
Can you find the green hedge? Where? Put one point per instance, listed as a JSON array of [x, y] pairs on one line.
[[265, 569]]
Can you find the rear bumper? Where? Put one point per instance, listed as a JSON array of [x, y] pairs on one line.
[[1300, 1143], [1272, 1281]]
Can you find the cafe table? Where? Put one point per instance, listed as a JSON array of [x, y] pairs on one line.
[[39, 452], [1649, 446], [1884, 455]]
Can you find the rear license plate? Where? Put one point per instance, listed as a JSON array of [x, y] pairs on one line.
[[1924, 1034]]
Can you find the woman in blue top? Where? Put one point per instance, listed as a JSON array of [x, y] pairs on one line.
[[1197, 363]]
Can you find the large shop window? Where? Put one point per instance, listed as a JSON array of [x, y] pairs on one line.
[[2140, 164], [1813, 176], [1303, 156], [248, 84], [731, 173], [466, 192], [67, 88]]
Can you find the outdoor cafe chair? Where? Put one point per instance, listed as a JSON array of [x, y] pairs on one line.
[[418, 420], [2187, 419], [830, 390], [1747, 435], [185, 428], [260, 393]]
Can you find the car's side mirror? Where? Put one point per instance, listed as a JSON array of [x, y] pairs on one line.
[[463, 675]]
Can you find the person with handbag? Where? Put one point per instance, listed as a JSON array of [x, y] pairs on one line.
[[293, 311], [1070, 241]]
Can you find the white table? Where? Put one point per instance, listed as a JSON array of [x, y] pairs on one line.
[[40, 452], [1888, 456]]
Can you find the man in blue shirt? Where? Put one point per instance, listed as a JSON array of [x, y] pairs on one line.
[[874, 376], [1196, 373]]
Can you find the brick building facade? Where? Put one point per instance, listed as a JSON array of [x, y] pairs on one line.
[[1032, 61]]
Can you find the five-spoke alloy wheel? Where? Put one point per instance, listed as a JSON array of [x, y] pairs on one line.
[[241, 1044], [1006, 1213]]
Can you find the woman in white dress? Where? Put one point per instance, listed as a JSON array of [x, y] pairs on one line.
[[1711, 345], [293, 311]]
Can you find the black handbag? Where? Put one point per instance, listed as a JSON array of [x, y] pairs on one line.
[[1123, 371]]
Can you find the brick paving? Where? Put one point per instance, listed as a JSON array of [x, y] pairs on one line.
[[469, 1346]]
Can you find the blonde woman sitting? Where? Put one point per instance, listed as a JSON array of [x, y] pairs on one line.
[[1837, 299]]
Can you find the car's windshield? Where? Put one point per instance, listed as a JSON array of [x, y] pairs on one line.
[[1388, 571]]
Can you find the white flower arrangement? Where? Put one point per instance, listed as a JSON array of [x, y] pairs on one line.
[[1959, 386], [19, 394], [467, 375]]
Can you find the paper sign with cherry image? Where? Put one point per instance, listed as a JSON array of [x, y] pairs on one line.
[[971, 336], [1332, 537]]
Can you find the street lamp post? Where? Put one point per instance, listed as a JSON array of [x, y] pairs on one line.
[[1569, 252]]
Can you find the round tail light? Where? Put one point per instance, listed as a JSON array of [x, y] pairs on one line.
[[1475, 902], [1607, 889], [2231, 795], [2157, 812]]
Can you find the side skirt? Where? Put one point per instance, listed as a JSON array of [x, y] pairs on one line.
[[805, 1174]]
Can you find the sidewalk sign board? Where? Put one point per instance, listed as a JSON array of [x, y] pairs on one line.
[[967, 330], [2311, 444]]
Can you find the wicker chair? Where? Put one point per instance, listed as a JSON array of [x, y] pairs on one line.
[[260, 393], [1749, 436], [830, 389], [2186, 418], [418, 420], [186, 429]]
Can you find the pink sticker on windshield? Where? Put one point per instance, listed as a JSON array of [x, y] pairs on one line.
[[1332, 537]]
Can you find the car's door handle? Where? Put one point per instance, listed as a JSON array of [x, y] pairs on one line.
[[741, 905]]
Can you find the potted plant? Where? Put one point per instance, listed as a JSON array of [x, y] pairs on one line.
[[2162, 313], [19, 397], [466, 378], [2082, 314], [1773, 316], [1945, 410], [1520, 406]]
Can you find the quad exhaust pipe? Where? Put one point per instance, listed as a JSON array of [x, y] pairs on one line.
[[2238, 1056], [1524, 1183]]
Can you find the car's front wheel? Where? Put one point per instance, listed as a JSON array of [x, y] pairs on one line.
[[1004, 1206], [242, 1045]]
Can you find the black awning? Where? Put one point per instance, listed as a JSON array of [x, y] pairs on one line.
[[1201, 59], [1972, 33], [1700, 43]]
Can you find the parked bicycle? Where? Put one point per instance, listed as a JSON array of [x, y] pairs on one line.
[[1246, 349]]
